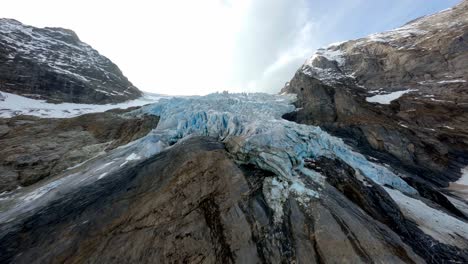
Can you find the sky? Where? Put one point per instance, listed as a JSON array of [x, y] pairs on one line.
[[187, 47]]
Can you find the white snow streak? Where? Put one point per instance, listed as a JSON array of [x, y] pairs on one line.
[[13, 105], [387, 98]]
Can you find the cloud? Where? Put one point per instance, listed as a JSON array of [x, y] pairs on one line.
[[275, 35]]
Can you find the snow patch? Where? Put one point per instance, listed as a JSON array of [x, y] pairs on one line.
[[387, 98], [332, 53], [452, 81], [439, 225], [104, 166], [132, 156], [464, 178], [13, 105], [102, 175]]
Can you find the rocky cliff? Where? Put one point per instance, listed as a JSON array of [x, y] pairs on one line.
[[193, 204], [224, 178], [35, 148], [400, 96], [53, 64]]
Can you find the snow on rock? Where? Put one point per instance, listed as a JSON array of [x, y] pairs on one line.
[[387, 98], [452, 81], [331, 53], [439, 225], [102, 175], [432, 82], [13, 105], [464, 178], [132, 156]]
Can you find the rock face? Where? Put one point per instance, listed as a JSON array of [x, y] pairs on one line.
[[53, 64], [193, 204], [223, 178], [35, 148], [400, 96]]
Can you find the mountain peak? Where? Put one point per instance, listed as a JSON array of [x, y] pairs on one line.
[[68, 69]]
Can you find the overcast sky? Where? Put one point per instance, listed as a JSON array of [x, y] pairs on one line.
[[197, 47]]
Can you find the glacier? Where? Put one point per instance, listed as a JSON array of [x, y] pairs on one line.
[[253, 123], [252, 127], [254, 132]]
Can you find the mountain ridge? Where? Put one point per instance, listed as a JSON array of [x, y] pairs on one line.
[[53, 64], [401, 95], [347, 166]]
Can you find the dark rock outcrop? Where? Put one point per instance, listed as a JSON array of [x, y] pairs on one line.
[[53, 64], [425, 130], [35, 148], [373, 199], [194, 204]]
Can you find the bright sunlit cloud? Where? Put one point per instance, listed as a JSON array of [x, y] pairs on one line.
[[198, 47]]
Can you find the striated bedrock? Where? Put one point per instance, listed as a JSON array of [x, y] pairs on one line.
[[400, 96], [36, 148], [194, 204], [53, 64], [224, 179]]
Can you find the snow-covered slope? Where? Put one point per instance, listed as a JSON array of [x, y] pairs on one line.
[[13, 105], [405, 56], [53, 64]]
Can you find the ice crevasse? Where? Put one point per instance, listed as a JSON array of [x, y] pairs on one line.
[[253, 127]]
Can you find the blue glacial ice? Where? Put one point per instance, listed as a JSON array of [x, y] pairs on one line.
[[254, 133], [252, 124]]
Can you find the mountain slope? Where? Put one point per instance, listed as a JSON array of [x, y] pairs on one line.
[[223, 178], [53, 64], [208, 210], [400, 96]]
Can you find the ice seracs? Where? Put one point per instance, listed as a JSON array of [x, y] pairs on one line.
[[253, 128]]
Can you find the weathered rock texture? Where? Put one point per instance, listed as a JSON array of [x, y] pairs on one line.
[[425, 130], [53, 64], [35, 148], [204, 201], [194, 204]]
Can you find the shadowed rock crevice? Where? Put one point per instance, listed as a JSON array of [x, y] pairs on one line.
[[212, 217]]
